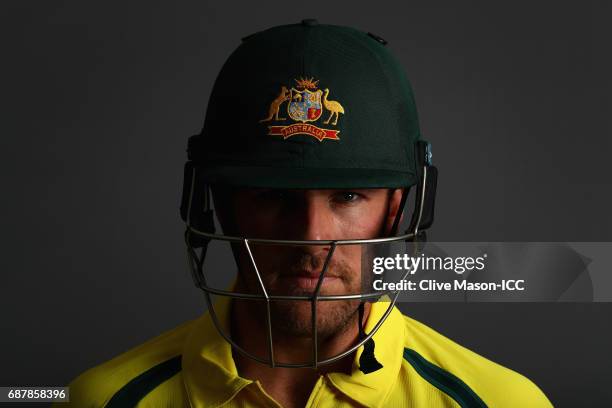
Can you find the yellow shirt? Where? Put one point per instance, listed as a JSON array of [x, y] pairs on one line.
[[192, 366]]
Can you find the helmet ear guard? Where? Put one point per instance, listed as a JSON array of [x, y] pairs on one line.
[[195, 205], [423, 215]]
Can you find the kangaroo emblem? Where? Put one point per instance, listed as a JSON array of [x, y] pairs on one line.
[[276, 104]]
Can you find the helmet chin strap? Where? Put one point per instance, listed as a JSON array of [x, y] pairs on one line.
[[367, 360]]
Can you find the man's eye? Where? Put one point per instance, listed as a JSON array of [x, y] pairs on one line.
[[347, 197]]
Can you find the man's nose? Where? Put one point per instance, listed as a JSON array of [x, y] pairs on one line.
[[314, 221]]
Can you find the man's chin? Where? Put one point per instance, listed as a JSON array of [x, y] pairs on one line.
[[294, 318]]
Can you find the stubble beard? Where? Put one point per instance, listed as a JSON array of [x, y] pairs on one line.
[[293, 318]]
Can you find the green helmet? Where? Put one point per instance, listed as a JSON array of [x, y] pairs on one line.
[[306, 106], [310, 106]]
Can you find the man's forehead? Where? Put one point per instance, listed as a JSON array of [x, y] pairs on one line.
[[310, 190], [303, 191]]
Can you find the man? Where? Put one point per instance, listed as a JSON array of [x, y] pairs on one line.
[[310, 145]]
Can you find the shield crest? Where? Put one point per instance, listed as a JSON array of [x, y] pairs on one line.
[[305, 106]]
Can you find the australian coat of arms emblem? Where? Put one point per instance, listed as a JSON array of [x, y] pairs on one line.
[[305, 105]]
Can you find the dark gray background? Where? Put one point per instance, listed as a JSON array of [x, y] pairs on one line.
[[99, 99]]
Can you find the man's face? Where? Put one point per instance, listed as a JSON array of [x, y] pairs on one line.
[[295, 270]]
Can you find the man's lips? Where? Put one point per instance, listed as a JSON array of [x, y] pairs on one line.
[[308, 279], [305, 273]]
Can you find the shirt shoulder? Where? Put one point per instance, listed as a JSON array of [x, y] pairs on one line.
[[144, 368], [467, 377]]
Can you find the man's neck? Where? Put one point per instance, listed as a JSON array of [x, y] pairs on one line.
[[288, 386]]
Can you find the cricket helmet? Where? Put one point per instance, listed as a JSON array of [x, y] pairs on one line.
[[306, 106]]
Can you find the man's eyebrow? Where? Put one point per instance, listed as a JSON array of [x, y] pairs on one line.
[[363, 190]]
